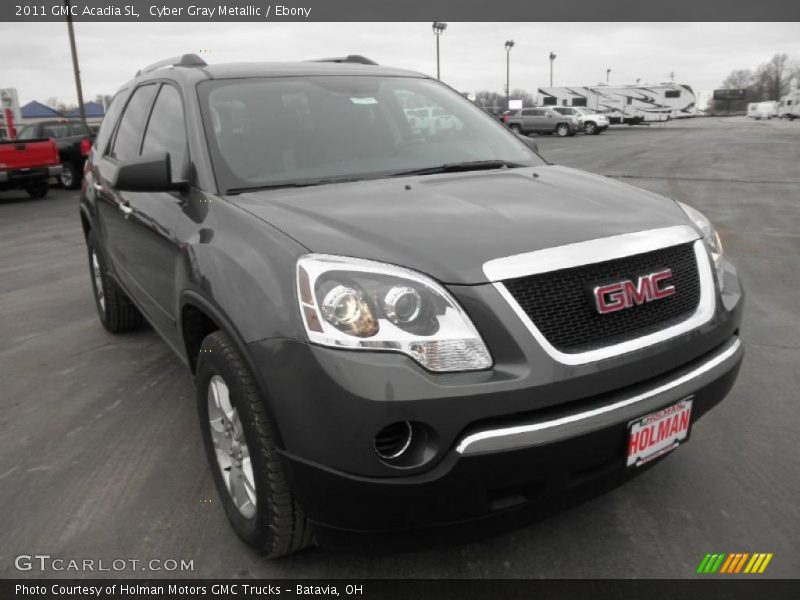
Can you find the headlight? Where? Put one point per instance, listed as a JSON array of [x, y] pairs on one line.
[[368, 305], [710, 237]]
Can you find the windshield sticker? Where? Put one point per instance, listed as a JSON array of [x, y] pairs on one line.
[[363, 100]]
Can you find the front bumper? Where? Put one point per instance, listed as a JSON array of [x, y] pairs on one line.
[[527, 430], [509, 467]]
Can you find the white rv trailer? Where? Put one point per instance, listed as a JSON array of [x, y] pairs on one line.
[[762, 110], [626, 103], [790, 106]]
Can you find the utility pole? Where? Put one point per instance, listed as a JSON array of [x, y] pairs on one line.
[[672, 76], [75, 67], [552, 60], [608, 75]]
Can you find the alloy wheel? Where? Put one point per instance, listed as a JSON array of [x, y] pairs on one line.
[[99, 291], [230, 447]]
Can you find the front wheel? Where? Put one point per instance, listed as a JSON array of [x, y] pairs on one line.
[[562, 130], [239, 438], [37, 188], [590, 129], [516, 129]]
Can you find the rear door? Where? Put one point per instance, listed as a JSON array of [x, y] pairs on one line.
[[537, 121], [140, 227], [112, 208], [527, 119], [153, 244]]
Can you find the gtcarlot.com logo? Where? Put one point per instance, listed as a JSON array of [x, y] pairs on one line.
[[734, 563], [46, 562]]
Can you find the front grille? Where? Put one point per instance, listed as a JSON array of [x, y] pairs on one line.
[[561, 305]]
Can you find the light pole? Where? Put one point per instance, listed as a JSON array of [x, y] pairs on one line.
[[509, 46], [552, 60], [75, 67], [608, 75], [438, 30]]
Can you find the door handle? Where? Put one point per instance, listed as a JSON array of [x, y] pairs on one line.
[[127, 211]]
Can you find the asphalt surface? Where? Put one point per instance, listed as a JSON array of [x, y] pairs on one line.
[[100, 450]]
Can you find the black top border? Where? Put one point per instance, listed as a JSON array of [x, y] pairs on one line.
[[404, 10]]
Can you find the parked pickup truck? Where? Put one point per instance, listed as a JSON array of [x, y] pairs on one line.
[[74, 140], [390, 329], [542, 120], [28, 165]]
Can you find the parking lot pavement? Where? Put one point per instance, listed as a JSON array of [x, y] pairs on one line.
[[100, 452]]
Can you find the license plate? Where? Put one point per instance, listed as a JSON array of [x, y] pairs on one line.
[[659, 432]]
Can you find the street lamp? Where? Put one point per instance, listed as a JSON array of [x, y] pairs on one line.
[[552, 59], [608, 75], [438, 30], [509, 46]]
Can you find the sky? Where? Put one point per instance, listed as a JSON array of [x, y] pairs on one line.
[[36, 58]]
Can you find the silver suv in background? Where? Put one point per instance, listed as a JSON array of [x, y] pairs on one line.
[[591, 122], [542, 120]]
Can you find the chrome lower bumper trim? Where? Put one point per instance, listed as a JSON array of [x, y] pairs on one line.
[[542, 432]]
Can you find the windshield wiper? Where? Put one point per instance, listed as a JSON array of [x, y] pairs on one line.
[[287, 184], [474, 165]]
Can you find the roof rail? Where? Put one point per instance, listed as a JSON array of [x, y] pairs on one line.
[[187, 60], [351, 58]]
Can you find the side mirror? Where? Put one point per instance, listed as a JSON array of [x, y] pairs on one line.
[[529, 143], [147, 173]]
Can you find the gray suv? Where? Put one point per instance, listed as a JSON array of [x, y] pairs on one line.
[[392, 328], [542, 120]]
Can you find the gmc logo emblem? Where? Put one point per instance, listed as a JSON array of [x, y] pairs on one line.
[[624, 294]]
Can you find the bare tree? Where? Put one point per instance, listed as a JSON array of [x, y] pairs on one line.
[[526, 97], [774, 77], [740, 79], [487, 99]]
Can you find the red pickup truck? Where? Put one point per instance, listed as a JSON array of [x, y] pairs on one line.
[[28, 165]]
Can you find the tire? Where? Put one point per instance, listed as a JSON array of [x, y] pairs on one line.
[[264, 513], [562, 130], [37, 188], [116, 311], [516, 129], [70, 178], [590, 128]]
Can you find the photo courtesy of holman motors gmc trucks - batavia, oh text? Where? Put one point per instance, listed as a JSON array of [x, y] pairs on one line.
[[396, 328]]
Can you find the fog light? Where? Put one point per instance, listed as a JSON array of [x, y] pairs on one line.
[[393, 440]]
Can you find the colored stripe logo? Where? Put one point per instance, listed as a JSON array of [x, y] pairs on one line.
[[734, 563]]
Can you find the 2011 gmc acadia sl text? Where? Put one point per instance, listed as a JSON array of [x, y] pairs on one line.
[[397, 329]]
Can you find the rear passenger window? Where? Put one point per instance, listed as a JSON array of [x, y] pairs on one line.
[[126, 143], [166, 131]]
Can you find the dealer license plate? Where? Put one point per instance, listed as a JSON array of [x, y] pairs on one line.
[[659, 432]]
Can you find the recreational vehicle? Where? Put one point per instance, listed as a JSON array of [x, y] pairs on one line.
[[789, 107], [630, 104], [762, 110]]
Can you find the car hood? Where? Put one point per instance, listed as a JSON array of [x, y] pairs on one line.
[[449, 225]]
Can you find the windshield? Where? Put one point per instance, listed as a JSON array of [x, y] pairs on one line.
[[292, 130], [584, 111]]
